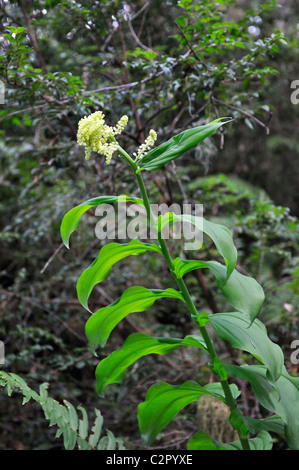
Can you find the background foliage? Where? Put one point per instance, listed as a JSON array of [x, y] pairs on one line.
[[167, 65]]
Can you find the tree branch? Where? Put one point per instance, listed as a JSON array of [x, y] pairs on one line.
[[32, 36], [245, 113]]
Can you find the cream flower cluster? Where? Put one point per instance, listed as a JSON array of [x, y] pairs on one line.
[[95, 135], [149, 142]]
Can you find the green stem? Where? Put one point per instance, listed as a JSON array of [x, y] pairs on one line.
[[183, 288], [126, 156]]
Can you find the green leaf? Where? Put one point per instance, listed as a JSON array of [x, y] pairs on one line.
[[111, 442], [163, 402], [273, 423], [83, 424], [100, 268], [82, 444], [239, 44], [65, 417], [262, 442], [283, 401], [72, 218], [221, 236], [251, 337], [201, 318], [73, 417], [134, 299], [70, 438], [137, 345], [96, 429], [243, 292], [219, 369], [174, 147], [203, 441]]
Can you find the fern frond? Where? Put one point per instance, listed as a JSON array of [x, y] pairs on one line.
[[73, 429]]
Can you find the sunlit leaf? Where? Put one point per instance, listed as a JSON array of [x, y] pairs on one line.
[[72, 218], [108, 256], [283, 401], [137, 345], [203, 441], [221, 236], [244, 293], [251, 337], [134, 299], [163, 402], [177, 145]]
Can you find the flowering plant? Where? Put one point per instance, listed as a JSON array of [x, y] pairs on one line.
[[273, 387]]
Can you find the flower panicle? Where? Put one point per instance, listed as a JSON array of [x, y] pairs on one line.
[[97, 136], [149, 142]]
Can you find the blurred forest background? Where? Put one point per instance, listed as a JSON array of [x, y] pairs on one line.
[[168, 65]]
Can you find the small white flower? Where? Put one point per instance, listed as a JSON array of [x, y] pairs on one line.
[[149, 142], [95, 135]]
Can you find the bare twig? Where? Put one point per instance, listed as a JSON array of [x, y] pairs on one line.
[[198, 112], [145, 6], [125, 85], [192, 48], [245, 113], [136, 38], [32, 35], [51, 258]]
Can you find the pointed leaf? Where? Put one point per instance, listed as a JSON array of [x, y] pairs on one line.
[[83, 423], [73, 417], [221, 236], [203, 441], [250, 337], [82, 444], [243, 292], [273, 423], [283, 401], [180, 143], [100, 268], [134, 299], [137, 345], [111, 443], [96, 430], [163, 402], [72, 218]]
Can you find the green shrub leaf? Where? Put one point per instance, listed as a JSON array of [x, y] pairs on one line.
[[73, 430], [272, 423], [221, 236], [134, 299], [282, 400], [180, 143], [100, 268], [163, 402], [72, 218], [251, 337], [137, 345], [243, 292], [203, 441]]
